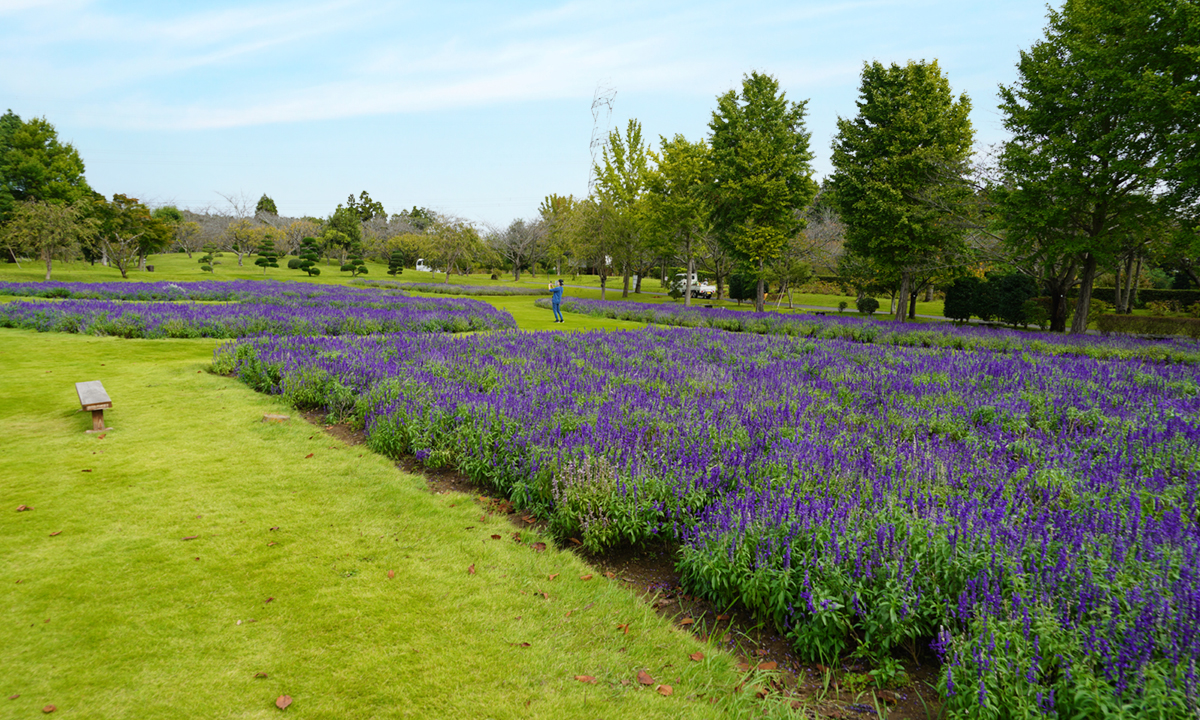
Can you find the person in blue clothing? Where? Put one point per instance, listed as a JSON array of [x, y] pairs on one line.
[[556, 300]]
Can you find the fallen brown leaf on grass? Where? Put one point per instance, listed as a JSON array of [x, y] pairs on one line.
[[49, 709], [664, 690], [539, 546], [610, 575], [260, 675], [85, 470], [56, 532], [283, 701], [272, 544], [14, 697], [686, 621], [274, 528], [391, 573], [524, 644], [743, 666], [761, 652], [585, 577], [191, 537], [576, 541], [495, 537], [696, 656], [722, 617], [23, 508], [586, 679], [528, 519], [624, 627], [554, 576], [268, 600], [644, 678], [471, 570], [768, 665], [308, 456]]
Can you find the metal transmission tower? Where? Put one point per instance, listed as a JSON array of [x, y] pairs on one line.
[[602, 102]]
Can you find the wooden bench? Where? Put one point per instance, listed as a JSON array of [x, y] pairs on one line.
[[93, 397]]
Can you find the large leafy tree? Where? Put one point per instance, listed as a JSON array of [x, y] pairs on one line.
[[127, 231], [48, 229], [762, 177], [1104, 117], [34, 165], [679, 204], [898, 172], [621, 180]]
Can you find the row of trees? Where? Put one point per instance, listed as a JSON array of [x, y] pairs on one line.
[[1101, 173]]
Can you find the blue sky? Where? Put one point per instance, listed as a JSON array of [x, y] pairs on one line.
[[475, 109]]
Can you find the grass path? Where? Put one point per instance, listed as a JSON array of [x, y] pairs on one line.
[[109, 612]]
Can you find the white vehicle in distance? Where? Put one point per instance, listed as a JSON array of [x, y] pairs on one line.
[[422, 267], [700, 289]]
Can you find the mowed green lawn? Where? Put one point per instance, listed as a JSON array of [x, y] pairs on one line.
[[195, 561]]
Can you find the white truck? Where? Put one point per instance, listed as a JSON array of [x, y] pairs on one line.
[[700, 289]]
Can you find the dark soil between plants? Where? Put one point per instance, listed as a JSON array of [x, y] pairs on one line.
[[649, 572]]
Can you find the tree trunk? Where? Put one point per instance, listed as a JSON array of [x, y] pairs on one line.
[[1084, 302], [625, 281], [637, 286], [603, 284], [142, 263], [902, 298], [758, 293], [912, 306], [516, 272], [49, 260], [929, 292], [1131, 285], [687, 282]]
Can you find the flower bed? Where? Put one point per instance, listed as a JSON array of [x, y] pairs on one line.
[[278, 308], [886, 332], [1033, 514]]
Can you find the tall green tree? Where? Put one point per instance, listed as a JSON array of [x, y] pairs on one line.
[[762, 176], [621, 180], [899, 169], [679, 204], [366, 208], [555, 212], [343, 230], [34, 165], [266, 206], [1103, 116]]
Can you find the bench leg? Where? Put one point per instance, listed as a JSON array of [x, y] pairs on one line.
[[97, 420]]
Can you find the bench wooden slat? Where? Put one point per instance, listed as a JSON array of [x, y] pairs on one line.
[[92, 395]]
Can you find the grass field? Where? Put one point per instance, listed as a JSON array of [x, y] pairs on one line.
[[112, 611]]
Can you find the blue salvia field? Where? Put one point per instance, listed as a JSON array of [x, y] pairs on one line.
[[1031, 514], [1022, 505], [174, 310]]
